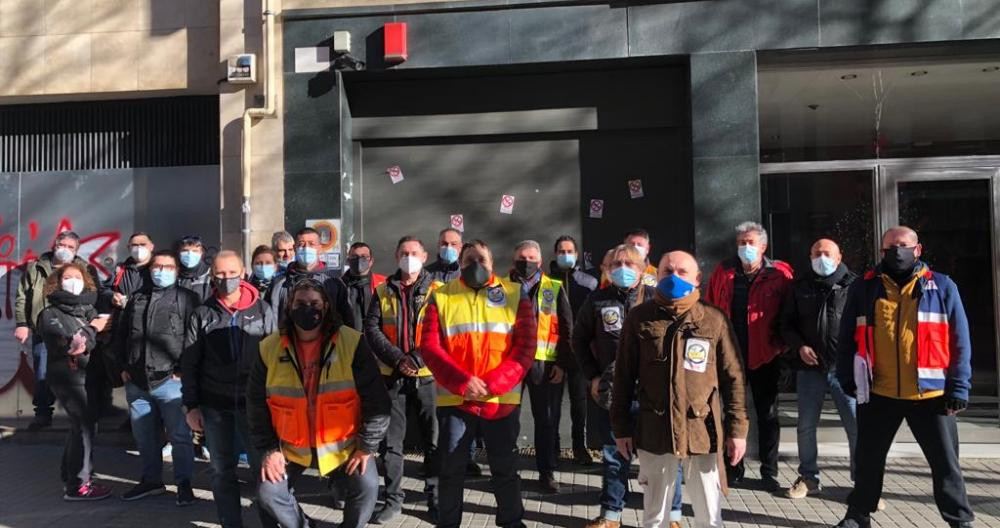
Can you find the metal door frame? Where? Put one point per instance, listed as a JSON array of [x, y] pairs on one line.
[[886, 176]]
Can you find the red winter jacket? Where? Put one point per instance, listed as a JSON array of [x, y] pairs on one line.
[[506, 376], [763, 305]]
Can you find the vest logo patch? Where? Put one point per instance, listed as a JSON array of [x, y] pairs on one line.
[[496, 297], [696, 354], [649, 280], [612, 318]]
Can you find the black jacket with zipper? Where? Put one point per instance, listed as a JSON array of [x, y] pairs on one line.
[[197, 279], [335, 288], [386, 351], [811, 316], [65, 316], [149, 338], [598, 326]]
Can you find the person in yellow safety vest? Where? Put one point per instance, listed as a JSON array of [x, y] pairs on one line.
[[315, 399], [478, 339], [639, 239], [553, 355], [393, 334]]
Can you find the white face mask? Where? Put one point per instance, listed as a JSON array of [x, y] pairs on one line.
[[641, 249], [140, 253], [63, 254], [72, 285], [410, 264]]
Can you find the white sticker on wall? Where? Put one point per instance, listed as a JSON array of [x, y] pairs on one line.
[[309, 60]]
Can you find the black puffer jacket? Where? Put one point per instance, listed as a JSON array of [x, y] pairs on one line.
[[197, 279], [65, 316], [386, 351], [329, 278], [811, 315], [129, 278], [149, 338], [599, 324], [441, 271], [220, 347], [578, 283]]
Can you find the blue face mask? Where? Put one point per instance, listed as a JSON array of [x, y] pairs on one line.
[[264, 271], [674, 287], [566, 260], [748, 254], [190, 259], [306, 255], [624, 277], [824, 266], [285, 263], [163, 278], [448, 254]]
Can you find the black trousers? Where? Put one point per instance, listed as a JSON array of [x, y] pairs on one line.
[[405, 392], [577, 387], [937, 434], [546, 409], [70, 387], [764, 388]]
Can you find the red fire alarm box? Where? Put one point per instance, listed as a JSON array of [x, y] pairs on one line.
[[395, 42]]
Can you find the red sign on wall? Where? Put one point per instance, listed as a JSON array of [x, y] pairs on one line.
[[395, 42]]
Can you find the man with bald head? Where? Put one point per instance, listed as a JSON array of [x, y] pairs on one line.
[[679, 359], [904, 350], [810, 326]]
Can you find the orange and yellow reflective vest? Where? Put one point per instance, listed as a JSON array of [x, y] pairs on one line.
[[389, 304], [548, 322]]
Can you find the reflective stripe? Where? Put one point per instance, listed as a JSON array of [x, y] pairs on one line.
[[297, 451], [931, 317], [291, 392], [931, 373], [465, 328], [335, 447], [334, 386], [447, 398]]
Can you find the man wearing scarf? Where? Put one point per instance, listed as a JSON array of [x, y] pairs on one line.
[[679, 359]]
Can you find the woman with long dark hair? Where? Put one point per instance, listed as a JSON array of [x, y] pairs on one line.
[[315, 398], [68, 327]]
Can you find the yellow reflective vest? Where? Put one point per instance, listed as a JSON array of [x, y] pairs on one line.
[[389, 304], [548, 321]]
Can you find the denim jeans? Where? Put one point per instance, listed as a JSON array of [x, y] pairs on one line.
[[151, 412], [43, 399], [359, 491], [223, 429], [812, 386]]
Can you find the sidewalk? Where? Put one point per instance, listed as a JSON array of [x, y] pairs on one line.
[[31, 496]]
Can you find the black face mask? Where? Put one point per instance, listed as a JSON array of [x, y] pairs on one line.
[[899, 260], [359, 265], [227, 286], [306, 317], [526, 269], [475, 275]]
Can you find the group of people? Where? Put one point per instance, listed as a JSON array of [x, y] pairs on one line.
[[300, 366]]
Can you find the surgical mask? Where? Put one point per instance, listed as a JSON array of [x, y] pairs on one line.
[[674, 287], [63, 255], [190, 259], [526, 269], [359, 265], [227, 286], [642, 250], [306, 255], [824, 266], [163, 278], [748, 254], [624, 276], [306, 317], [263, 271], [448, 254], [899, 260], [566, 260], [72, 285], [475, 275], [410, 264], [139, 253], [285, 263]]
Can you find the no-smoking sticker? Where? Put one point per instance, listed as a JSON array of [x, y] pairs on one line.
[[635, 189], [507, 204], [395, 174], [597, 208], [458, 222]]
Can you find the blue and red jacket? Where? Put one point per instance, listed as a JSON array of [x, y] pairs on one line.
[[944, 349]]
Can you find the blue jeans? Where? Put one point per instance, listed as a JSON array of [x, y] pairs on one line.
[[150, 412], [812, 386], [223, 429], [43, 399]]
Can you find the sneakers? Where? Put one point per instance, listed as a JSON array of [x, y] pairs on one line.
[[40, 422], [854, 520], [548, 484], [601, 522], [185, 495], [881, 505], [88, 491], [803, 487], [143, 489], [386, 514]]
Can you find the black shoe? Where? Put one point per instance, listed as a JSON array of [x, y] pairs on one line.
[[472, 469], [40, 422], [964, 524], [143, 489], [770, 484], [432, 512], [854, 520], [386, 513], [548, 484], [185, 495], [735, 481], [582, 457]]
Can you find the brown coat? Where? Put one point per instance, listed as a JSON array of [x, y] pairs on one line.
[[690, 398]]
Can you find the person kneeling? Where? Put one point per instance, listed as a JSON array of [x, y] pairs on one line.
[[316, 399]]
